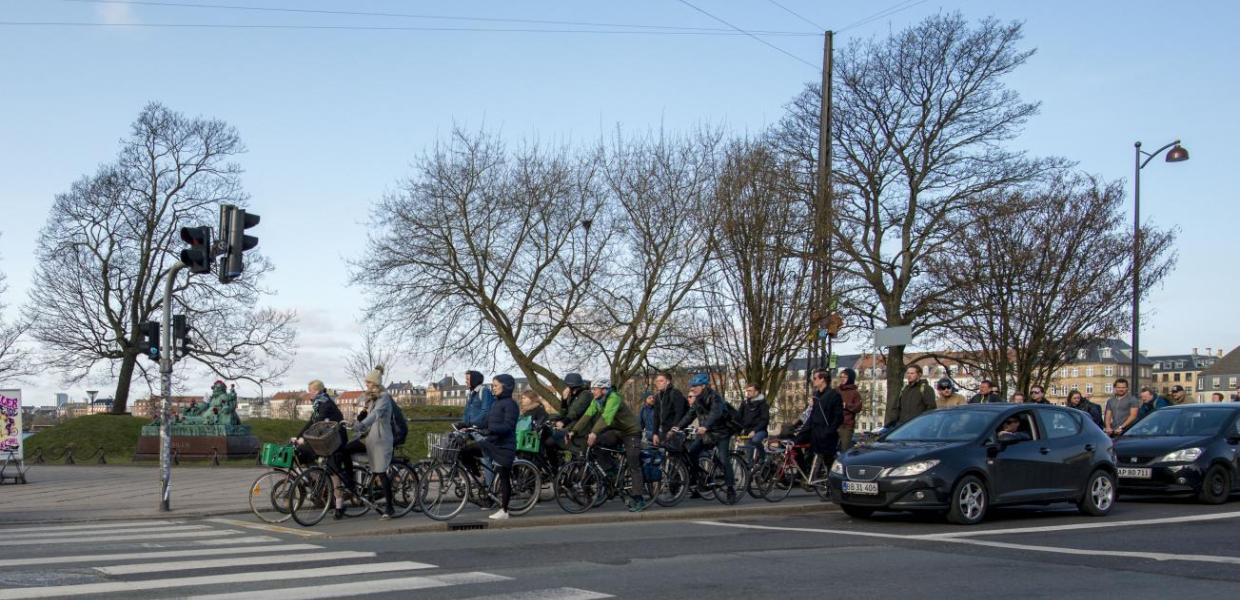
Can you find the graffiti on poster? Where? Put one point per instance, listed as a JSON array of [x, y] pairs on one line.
[[11, 423]]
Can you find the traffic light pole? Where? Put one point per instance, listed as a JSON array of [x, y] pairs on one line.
[[166, 357]]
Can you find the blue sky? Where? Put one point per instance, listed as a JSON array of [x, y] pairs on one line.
[[333, 118]]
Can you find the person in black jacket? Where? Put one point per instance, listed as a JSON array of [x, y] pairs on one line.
[[499, 439], [1078, 401], [323, 408], [755, 417], [670, 407], [715, 427], [823, 422]]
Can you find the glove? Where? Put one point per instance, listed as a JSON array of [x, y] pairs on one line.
[[460, 425]]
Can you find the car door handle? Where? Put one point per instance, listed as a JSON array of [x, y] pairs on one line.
[[1045, 450], [1089, 447]]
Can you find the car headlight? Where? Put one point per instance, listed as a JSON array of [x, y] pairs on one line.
[[911, 469], [837, 467], [1185, 455]]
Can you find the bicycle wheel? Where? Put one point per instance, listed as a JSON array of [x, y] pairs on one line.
[[820, 482], [675, 483], [364, 486], [309, 496], [761, 479], [444, 491], [709, 479], [578, 485], [740, 472], [526, 485], [405, 488], [269, 496]]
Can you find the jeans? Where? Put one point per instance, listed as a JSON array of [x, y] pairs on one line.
[[721, 444], [632, 454], [755, 445]]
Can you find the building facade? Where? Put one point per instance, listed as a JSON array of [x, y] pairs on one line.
[[1180, 369], [1093, 371], [1222, 377]]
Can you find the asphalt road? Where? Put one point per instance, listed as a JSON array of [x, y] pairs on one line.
[[1144, 549]]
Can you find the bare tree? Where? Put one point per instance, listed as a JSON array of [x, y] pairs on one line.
[[1046, 273], [15, 360], [757, 299], [110, 241], [659, 226], [375, 349], [919, 123], [484, 251]]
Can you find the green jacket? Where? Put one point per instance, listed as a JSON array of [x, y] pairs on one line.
[[611, 413], [913, 400], [572, 408]]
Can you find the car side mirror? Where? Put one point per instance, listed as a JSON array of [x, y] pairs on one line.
[[1233, 439]]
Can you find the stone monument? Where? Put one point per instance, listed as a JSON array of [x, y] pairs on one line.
[[203, 430]]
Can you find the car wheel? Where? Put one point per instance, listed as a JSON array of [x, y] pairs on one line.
[[969, 501], [1215, 486], [857, 512], [1099, 494]]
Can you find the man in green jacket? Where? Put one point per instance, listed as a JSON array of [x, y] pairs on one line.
[[610, 422], [914, 399]]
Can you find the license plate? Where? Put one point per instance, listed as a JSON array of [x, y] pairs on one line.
[[868, 488], [1127, 473]]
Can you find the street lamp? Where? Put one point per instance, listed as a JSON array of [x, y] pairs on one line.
[[585, 266], [1177, 153]]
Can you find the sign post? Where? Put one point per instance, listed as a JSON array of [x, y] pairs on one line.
[[11, 436]]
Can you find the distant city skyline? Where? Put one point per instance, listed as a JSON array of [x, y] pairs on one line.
[[333, 118]]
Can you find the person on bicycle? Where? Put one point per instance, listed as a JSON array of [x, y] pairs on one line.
[[323, 408], [574, 400], [716, 424], [498, 440], [479, 401], [670, 407], [755, 417], [375, 437], [610, 422]]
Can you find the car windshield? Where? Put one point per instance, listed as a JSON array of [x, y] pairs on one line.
[[942, 426], [1188, 422]]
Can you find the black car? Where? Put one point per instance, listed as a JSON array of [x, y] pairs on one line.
[[965, 459], [1185, 449]]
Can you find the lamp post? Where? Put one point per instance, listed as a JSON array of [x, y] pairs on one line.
[[1177, 153], [585, 266]]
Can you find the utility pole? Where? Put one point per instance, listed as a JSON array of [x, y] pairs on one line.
[[166, 356], [826, 213]]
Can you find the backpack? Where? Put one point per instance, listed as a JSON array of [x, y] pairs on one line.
[[400, 426]]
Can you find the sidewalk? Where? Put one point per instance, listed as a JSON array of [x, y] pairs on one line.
[[114, 492]]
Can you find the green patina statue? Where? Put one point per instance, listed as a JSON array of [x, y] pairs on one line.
[[216, 417]]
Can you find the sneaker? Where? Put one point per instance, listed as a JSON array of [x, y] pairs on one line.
[[338, 514], [638, 504], [731, 496], [499, 515]]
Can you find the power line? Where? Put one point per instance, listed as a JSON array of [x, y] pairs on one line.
[[798, 15], [360, 28], [887, 12], [397, 15], [760, 40]]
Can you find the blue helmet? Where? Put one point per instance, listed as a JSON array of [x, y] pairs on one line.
[[699, 379]]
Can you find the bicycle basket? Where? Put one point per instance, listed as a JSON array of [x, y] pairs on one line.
[[279, 456], [529, 440], [324, 437], [675, 441], [445, 448]]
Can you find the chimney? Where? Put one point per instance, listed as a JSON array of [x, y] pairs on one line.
[[1194, 351], [1220, 353], [1145, 353], [1209, 351]]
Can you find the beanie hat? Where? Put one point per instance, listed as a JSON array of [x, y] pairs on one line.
[[375, 376]]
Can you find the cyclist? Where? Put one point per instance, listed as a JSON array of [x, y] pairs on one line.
[[574, 400], [716, 421], [609, 422], [754, 419], [323, 408], [375, 436], [670, 406], [499, 440]]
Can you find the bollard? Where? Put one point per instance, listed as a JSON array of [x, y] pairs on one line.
[[215, 457], [69, 455], [102, 460], [176, 456], [38, 457]]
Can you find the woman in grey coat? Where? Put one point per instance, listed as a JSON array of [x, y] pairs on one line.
[[376, 436]]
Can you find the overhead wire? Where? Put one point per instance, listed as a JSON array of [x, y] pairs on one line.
[[798, 15], [887, 12], [760, 40], [364, 28], [399, 15]]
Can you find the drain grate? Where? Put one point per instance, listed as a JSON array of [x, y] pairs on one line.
[[467, 526]]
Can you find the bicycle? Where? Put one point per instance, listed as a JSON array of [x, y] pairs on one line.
[[269, 492], [713, 480], [780, 470], [583, 483], [312, 492], [448, 484], [675, 471]]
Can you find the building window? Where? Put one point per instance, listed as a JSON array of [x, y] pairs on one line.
[[1165, 377], [1089, 371], [1076, 372], [1089, 388], [1231, 381], [1109, 371], [1188, 376], [1179, 364], [1175, 378], [1081, 354], [1217, 382], [1108, 389]]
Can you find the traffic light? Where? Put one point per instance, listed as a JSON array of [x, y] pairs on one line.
[[148, 339], [233, 223], [180, 335], [198, 256]]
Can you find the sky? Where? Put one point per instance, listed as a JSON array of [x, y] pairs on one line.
[[333, 118]]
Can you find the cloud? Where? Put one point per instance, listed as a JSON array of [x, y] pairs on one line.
[[116, 14]]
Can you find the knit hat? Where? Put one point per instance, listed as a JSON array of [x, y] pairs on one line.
[[375, 376]]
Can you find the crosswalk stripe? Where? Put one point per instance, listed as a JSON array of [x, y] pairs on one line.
[[127, 538], [240, 561], [111, 525], [360, 587], [253, 539], [564, 593], [268, 527], [113, 587], [52, 560], [86, 535]]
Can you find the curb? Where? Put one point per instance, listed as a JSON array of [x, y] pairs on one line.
[[426, 525]]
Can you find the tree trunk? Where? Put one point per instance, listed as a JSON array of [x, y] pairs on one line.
[[120, 402], [895, 373]]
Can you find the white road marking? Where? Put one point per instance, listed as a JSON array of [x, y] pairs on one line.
[[254, 539], [238, 561], [86, 536], [145, 537], [1157, 556], [1091, 525], [51, 560], [564, 593], [113, 587], [359, 587], [112, 525], [268, 527]]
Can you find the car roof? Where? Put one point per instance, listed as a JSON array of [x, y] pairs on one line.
[[996, 407], [1227, 407]]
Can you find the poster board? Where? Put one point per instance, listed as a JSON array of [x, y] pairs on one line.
[[11, 424]]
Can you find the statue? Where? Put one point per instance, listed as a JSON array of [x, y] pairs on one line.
[[211, 426]]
